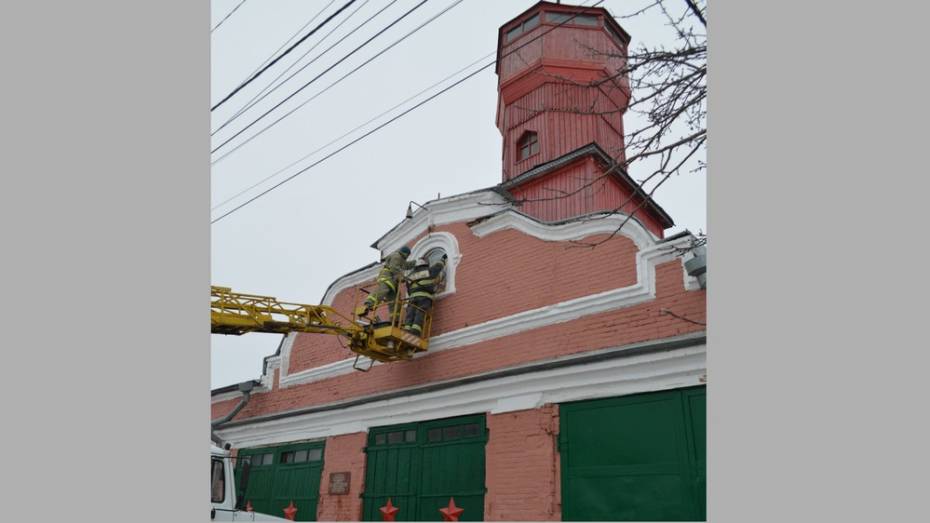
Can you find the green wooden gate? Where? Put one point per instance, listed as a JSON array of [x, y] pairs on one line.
[[421, 465], [634, 458], [280, 475]]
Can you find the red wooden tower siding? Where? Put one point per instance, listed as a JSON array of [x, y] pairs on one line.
[[560, 111]]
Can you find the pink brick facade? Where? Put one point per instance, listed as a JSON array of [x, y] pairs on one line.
[[522, 466], [522, 460], [597, 331], [343, 453]]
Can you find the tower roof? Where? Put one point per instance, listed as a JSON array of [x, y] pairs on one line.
[[617, 172]]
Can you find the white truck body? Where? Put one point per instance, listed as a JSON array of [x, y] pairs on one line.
[[223, 491]]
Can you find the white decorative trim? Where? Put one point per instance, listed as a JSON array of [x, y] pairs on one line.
[[271, 364], [454, 209], [437, 239], [513, 403], [656, 371], [447, 242], [283, 361], [691, 283], [349, 280], [575, 230], [317, 373], [650, 254], [643, 290]]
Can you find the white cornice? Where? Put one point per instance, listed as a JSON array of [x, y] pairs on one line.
[[574, 230], [655, 371], [440, 212]]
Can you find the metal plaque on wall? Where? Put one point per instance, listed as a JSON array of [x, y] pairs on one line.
[[339, 482]]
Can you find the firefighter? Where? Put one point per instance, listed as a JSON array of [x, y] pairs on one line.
[[388, 279], [421, 288]]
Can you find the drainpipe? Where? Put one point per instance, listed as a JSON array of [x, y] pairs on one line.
[[246, 389]]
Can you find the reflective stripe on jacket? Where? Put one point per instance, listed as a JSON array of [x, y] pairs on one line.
[[423, 283]]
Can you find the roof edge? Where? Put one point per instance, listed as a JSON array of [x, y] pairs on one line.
[[591, 149]]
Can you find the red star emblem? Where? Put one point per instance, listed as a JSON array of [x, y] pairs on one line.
[[290, 511], [451, 513], [388, 511]]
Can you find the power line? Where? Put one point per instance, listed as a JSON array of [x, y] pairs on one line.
[[317, 77], [248, 105], [330, 86], [227, 16], [237, 147], [346, 146], [293, 36], [360, 138], [255, 99], [282, 55], [356, 128]]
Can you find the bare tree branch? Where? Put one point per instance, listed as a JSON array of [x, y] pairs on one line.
[[697, 12]]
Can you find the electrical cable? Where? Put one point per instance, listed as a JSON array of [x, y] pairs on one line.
[[330, 86], [293, 36], [227, 16], [282, 55], [255, 99], [315, 78], [356, 128], [346, 146], [385, 124]]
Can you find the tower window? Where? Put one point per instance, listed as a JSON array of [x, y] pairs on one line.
[[528, 145], [571, 18], [524, 27]]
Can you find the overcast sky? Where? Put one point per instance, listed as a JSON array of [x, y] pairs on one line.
[[294, 241]]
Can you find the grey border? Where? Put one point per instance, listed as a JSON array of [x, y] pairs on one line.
[[817, 296], [105, 211], [817, 369]]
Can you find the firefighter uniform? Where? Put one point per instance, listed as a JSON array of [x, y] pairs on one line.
[[388, 280], [421, 288]]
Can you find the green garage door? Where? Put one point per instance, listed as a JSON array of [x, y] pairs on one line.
[[634, 458], [279, 475], [421, 465]]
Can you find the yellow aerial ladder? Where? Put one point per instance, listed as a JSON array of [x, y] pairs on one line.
[[236, 314]]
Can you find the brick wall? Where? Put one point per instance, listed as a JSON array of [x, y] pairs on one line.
[[522, 473], [500, 274], [633, 324], [314, 350], [344, 453]]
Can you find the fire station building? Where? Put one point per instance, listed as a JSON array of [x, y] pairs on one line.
[[562, 382]]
